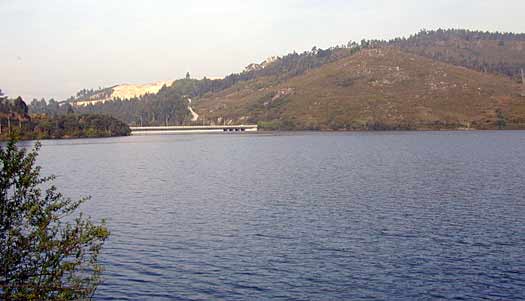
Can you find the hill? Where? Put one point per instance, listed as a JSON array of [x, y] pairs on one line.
[[494, 52], [430, 80], [172, 103], [383, 88]]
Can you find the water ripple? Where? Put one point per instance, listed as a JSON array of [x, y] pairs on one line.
[[353, 216]]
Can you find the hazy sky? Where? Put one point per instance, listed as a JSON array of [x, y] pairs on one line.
[[55, 48]]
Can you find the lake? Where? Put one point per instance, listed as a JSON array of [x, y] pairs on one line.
[[304, 216]]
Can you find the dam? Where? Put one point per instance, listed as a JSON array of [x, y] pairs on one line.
[[159, 130]]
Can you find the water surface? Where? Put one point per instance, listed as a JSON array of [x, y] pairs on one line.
[[306, 216]]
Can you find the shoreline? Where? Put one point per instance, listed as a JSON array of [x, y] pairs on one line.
[[263, 131]]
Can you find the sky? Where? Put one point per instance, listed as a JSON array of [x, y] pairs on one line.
[[54, 48]]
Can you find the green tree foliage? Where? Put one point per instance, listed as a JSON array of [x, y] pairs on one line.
[[77, 126], [54, 121], [47, 252], [50, 107], [13, 106]]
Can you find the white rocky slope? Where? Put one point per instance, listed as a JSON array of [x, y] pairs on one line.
[[124, 92]]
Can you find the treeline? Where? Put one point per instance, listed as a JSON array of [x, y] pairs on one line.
[[15, 119], [76, 126], [292, 64], [493, 52], [62, 126], [86, 94], [50, 107], [284, 67], [464, 34]]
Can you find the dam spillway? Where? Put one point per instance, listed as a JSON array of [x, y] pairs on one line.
[[159, 130]]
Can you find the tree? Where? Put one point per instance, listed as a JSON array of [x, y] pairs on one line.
[[501, 120], [19, 106], [46, 253]]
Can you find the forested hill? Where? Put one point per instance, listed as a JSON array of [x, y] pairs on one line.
[[495, 59], [375, 89], [501, 53]]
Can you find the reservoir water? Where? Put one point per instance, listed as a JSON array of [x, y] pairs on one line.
[[304, 216]]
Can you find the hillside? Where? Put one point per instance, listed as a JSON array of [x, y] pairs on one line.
[[290, 65], [172, 103], [431, 80], [501, 53], [382, 88]]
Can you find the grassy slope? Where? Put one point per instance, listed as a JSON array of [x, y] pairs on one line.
[[383, 87]]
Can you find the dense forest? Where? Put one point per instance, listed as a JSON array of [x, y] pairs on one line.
[[76, 126], [15, 119]]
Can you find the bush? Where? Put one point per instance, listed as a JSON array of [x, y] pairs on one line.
[[43, 256], [273, 125]]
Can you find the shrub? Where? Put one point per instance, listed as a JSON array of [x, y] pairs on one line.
[[46, 253]]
